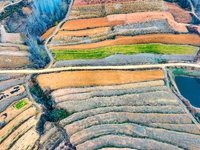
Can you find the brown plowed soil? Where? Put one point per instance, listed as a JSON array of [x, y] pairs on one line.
[[184, 39], [93, 78], [89, 23], [140, 16], [113, 20], [13, 61], [180, 15], [48, 33]]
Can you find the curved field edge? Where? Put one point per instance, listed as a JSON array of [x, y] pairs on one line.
[[123, 49], [177, 39]]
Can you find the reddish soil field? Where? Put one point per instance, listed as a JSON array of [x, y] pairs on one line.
[[140, 16], [180, 15], [89, 23], [185, 39], [94, 78], [48, 33], [112, 20]]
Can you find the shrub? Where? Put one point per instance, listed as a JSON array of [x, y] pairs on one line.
[[57, 114]]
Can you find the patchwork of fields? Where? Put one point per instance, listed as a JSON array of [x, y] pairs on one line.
[[14, 56], [18, 115], [93, 9], [90, 108], [96, 24], [112, 111]]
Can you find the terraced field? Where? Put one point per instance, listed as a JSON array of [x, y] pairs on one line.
[[100, 77], [83, 9], [104, 52], [13, 52], [130, 115], [97, 24], [18, 115], [180, 15], [11, 89], [13, 56]]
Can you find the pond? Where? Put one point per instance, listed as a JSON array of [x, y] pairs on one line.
[[189, 87]]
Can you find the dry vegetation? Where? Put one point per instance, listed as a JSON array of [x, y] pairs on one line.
[[140, 115], [14, 62], [18, 115], [8, 131], [88, 32], [13, 56], [103, 8], [184, 39], [93, 78], [13, 112], [98, 30], [89, 2], [117, 19]]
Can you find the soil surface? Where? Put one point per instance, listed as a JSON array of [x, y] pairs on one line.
[[180, 15], [83, 78], [184, 39]]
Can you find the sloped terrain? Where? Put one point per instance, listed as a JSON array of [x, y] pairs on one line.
[[132, 115], [18, 115], [180, 15], [90, 9], [14, 56], [96, 24]]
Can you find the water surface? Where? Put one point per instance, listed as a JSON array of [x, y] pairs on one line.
[[189, 87]]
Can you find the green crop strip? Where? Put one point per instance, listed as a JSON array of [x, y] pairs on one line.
[[20, 104], [125, 49]]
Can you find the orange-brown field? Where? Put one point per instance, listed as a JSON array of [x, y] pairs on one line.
[[180, 15], [90, 23], [185, 39], [118, 19], [47, 33], [94, 78]]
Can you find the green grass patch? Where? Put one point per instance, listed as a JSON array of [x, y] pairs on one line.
[[57, 114], [20, 104], [124, 49]]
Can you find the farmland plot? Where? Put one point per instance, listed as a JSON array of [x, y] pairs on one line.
[[83, 78], [18, 115], [19, 125], [14, 55], [121, 115], [180, 39], [97, 9]]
